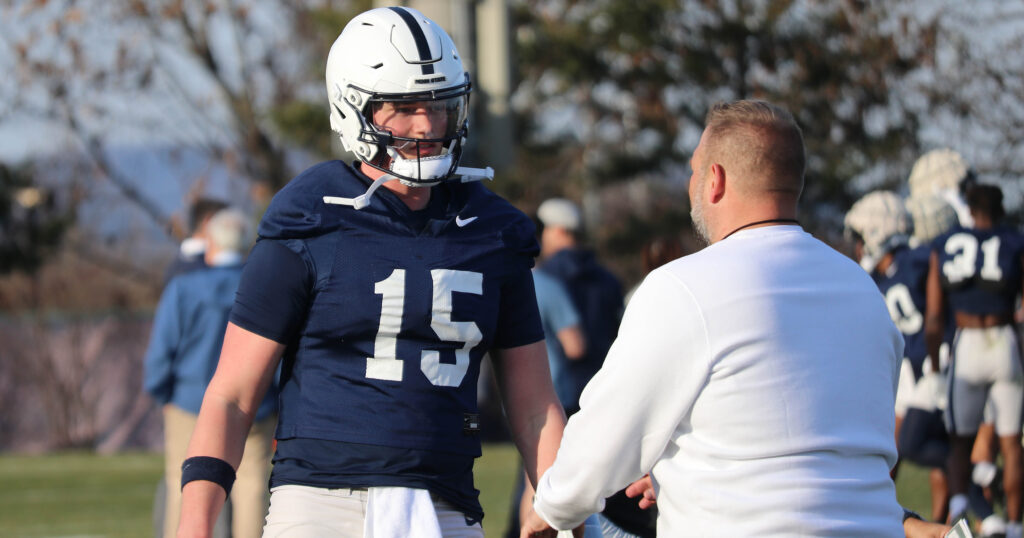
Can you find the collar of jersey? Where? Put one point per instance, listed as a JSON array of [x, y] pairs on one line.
[[427, 221]]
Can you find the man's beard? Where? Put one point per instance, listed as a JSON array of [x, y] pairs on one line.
[[700, 225]]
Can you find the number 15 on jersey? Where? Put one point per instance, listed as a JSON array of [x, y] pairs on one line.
[[385, 363]]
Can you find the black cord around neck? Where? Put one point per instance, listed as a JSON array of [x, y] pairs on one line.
[[748, 225]]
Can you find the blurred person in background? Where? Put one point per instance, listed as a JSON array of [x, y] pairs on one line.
[[595, 292], [192, 249], [922, 436], [597, 295], [946, 174], [891, 240], [185, 343], [880, 228], [978, 274], [943, 174], [657, 252]]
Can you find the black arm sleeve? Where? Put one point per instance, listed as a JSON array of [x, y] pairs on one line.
[[275, 291]]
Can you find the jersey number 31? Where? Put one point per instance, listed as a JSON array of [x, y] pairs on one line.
[[964, 248]]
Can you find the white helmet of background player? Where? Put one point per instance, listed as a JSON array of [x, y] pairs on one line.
[[397, 55], [932, 216], [944, 173], [881, 222]]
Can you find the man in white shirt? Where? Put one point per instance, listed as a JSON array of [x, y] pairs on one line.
[[754, 380]]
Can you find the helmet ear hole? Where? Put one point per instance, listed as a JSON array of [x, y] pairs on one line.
[[354, 98]]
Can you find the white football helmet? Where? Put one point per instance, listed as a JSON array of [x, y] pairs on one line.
[[944, 173], [397, 55], [932, 216], [880, 220]]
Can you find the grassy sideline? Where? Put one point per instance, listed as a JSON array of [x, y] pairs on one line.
[[83, 494]]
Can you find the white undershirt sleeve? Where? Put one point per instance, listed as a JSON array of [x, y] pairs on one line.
[[634, 406]]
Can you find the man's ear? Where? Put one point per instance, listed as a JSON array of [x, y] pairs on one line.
[[716, 183]]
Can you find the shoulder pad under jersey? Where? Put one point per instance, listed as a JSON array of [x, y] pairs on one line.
[[516, 229], [297, 210]]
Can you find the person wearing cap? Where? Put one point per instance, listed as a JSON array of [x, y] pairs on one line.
[[598, 297], [184, 347], [595, 292]]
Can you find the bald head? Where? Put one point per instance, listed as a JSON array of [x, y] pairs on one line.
[[759, 145]]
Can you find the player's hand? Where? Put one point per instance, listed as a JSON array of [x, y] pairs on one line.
[[644, 487], [536, 527]]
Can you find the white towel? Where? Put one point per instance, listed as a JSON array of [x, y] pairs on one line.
[[400, 513]]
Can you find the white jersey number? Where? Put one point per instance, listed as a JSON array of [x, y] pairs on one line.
[[902, 310], [964, 248], [386, 365]]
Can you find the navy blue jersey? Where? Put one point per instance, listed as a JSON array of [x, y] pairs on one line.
[[386, 314], [903, 285], [981, 269]]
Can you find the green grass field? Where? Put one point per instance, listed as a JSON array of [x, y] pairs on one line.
[[88, 495]]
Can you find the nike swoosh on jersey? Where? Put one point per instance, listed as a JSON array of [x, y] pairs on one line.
[[460, 222]]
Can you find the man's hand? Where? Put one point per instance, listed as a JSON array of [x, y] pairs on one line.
[[644, 487], [535, 527]]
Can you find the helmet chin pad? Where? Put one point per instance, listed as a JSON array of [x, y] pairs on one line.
[[422, 171]]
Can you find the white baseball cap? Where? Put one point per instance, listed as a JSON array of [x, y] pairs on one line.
[[559, 212]]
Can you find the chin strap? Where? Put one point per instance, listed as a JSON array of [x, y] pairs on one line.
[[362, 200], [464, 174]]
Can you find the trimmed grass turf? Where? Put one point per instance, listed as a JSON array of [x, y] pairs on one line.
[[78, 494], [84, 494]]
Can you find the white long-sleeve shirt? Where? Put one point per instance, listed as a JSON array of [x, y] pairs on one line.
[[755, 381]]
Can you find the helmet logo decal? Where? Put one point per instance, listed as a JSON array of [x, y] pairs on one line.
[[421, 40]]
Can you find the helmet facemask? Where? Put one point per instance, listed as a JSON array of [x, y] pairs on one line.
[[416, 158]]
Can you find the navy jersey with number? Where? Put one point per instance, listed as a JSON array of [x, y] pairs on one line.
[[903, 285], [981, 269], [386, 314]]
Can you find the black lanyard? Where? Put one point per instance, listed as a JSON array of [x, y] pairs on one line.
[[780, 221]]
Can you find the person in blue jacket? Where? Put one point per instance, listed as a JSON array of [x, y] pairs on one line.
[[187, 334]]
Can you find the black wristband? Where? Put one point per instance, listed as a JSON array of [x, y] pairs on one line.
[[910, 514], [210, 469]]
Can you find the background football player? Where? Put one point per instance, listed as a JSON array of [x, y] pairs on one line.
[[379, 287], [977, 274], [946, 174], [880, 227]]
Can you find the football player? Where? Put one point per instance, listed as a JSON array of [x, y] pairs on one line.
[[977, 274], [880, 228], [380, 303], [946, 174]]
